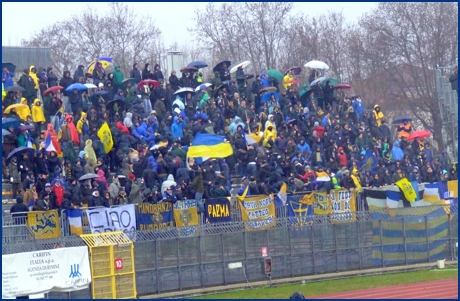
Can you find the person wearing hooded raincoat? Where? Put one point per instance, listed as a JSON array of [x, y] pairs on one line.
[[287, 78], [25, 111], [378, 115], [37, 114], [54, 139], [234, 125], [117, 75], [269, 135], [397, 153], [89, 150], [33, 75]]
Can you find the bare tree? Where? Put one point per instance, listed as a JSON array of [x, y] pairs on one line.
[[119, 33]]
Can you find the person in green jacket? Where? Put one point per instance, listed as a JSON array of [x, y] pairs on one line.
[[117, 75]]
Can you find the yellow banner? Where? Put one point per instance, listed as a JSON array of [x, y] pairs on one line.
[[258, 212], [105, 135], [321, 203], [452, 187], [186, 213], [407, 189], [44, 224]]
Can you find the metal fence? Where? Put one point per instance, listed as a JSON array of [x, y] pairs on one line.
[[166, 262]]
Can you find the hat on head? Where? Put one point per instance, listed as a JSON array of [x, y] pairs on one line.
[[132, 177], [47, 185], [101, 85], [316, 123]]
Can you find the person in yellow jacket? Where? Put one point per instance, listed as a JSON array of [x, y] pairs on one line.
[[287, 78], [378, 115], [82, 121], [33, 75], [37, 114], [3, 92], [356, 180], [269, 135], [25, 111]]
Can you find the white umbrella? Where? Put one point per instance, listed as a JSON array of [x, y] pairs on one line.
[[202, 86], [90, 86], [317, 65], [243, 64], [317, 80], [187, 89]]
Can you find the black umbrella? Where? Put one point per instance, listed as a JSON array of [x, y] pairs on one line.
[[217, 67], [248, 76], [10, 66], [111, 103], [220, 87], [293, 121], [198, 64], [101, 93], [15, 89], [305, 96], [126, 80], [88, 176], [19, 151]]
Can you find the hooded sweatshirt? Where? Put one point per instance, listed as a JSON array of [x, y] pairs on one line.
[[169, 182], [117, 75], [37, 111], [34, 77], [89, 150], [82, 124]]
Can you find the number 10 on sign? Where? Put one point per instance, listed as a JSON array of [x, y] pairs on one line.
[[118, 263]]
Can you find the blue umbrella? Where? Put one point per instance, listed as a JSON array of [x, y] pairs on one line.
[[7, 122], [266, 97], [401, 119], [198, 64], [79, 87]]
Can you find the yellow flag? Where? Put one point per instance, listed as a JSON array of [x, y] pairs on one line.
[[44, 224], [407, 189], [105, 135]]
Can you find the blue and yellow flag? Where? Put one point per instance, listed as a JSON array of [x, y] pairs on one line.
[[105, 135], [186, 217], [258, 212], [369, 162], [300, 212], [406, 188], [209, 146], [44, 224], [155, 216]]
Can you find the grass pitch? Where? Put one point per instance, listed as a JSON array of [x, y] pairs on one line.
[[336, 286]]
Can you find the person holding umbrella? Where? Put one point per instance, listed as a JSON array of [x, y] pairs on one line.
[[7, 77], [98, 74]]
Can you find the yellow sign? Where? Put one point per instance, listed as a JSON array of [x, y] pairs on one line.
[[105, 135], [321, 203], [186, 213], [44, 224], [258, 212], [407, 189], [340, 203]]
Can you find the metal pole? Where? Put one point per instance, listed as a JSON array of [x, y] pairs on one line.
[[381, 243], [200, 245], [156, 266], [360, 251], [313, 248], [178, 262], [290, 249], [336, 248], [223, 258], [427, 238], [404, 238]]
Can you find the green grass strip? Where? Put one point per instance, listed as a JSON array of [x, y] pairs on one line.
[[336, 286]]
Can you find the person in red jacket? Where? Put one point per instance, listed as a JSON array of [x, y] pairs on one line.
[[308, 173], [58, 191], [122, 128], [342, 157]]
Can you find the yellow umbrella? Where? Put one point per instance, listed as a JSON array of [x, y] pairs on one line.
[[18, 106], [105, 61]]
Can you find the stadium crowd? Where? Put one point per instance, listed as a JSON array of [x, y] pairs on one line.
[[281, 132]]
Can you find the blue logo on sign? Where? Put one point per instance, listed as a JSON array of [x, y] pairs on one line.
[[74, 271]]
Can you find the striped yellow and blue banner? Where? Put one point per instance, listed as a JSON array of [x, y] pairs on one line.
[[410, 240]]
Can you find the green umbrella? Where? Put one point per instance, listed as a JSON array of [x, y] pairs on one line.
[[334, 81], [126, 80], [275, 74]]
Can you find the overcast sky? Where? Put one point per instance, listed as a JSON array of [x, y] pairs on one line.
[[20, 20]]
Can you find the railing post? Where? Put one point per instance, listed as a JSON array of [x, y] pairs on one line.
[[360, 251], [427, 238], [404, 239], [157, 270], [178, 262], [381, 243], [223, 257]]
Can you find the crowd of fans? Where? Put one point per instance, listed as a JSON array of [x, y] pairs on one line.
[[304, 132]]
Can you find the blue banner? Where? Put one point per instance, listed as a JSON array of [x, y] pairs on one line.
[[300, 212], [156, 216], [217, 210]]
